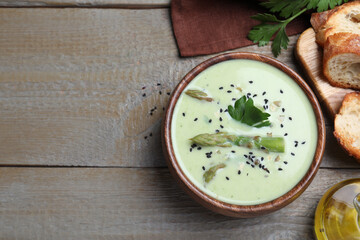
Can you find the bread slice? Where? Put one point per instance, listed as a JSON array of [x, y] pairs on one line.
[[344, 18], [347, 124], [341, 62]]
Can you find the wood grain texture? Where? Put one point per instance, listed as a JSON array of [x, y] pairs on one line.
[[74, 203], [71, 85], [86, 3], [310, 57]]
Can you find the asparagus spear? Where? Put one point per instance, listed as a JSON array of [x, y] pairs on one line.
[[198, 95], [209, 174], [221, 139]]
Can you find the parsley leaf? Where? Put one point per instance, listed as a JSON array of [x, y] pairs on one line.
[[288, 9], [245, 112]]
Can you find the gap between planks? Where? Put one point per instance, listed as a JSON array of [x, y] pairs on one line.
[[109, 6], [136, 4]]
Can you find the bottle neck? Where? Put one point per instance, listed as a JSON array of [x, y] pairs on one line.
[[357, 204]]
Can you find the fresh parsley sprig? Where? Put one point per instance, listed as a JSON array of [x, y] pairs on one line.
[[245, 112], [289, 10]]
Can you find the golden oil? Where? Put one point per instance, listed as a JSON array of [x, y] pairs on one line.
[[336, 217]]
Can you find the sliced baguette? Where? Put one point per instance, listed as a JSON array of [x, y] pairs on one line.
[[344, 18], [347, 124], [341, 60]]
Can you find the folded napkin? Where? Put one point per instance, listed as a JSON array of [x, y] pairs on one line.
[[211, 26]]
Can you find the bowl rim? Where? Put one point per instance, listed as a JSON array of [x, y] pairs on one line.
[[228, 208]]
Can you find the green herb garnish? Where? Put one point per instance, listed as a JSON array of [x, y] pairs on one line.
[[289, 10], [245, 112]]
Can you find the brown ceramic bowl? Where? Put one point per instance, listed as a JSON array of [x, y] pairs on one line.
[[211, 203]]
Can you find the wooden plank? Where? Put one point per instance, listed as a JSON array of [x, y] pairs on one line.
[[86, 3], [334, 155], [75, 203], [71, 85], [310, 57]]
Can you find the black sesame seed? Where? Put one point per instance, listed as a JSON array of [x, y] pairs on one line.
[[232, 85], [144, 95], [281, 91], [245, 155], [281, 125], [158, 84], [220, 118], [221, 88], [252, 165], [262, 158], [303, 142], [247, 162], [290, 118], [211, 152], [221, 110], [221, 126], [150, 134], [203, 168], [250, 153], [233, 151], [283, 109], [280, 169], [233, 99], [263, 148], [208, 156], [151, 113], [199, 148], [225, 110], [266, 101], [227, 178], [239, 172], [254, 95], [285, 134], [285, 162], [168, 93], [229, 91], [263, 93], [210, 120], [183, 114], [143, 88], [190, 149], [296, 144], [195, 119], [250, 82], [293, 154], [145, 137], [217, 130], [260, 165]]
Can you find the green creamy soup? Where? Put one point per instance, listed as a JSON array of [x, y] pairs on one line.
[[250, 176]]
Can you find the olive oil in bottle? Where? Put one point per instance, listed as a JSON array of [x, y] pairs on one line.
[[336, 216]]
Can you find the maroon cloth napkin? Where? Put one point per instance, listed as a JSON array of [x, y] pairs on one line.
[[211, 26]]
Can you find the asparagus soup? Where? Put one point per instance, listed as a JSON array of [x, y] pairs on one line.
[[244, 132]]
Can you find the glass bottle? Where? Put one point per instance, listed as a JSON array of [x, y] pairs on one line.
[[337, 214]]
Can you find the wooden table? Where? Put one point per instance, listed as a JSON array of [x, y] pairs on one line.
[[74, 116]]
